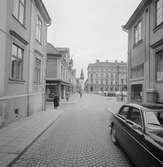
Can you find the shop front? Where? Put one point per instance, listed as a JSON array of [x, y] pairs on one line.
[[57, 87]]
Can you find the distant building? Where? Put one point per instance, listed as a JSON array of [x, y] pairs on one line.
[[145, 52], [78, 85], [107, 76], [23, 38], [60, 77]]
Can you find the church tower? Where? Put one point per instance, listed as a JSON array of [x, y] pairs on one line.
[[82, 79], [82, 75]]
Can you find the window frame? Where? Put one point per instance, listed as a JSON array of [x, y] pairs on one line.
[[139, 125], [122, 116], [17, 76], [157, 66], [37, 80], [18, 11], [139, 31], [156, 12], [39, 30]]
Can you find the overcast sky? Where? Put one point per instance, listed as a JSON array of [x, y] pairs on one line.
[[90, 28]]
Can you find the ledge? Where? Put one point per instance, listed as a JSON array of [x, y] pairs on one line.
[[16, 35]]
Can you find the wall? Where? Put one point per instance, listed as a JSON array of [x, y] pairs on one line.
[[37, 50], [51, 67]]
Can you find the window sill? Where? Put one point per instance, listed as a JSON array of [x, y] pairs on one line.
[[158, 27], [159, 82], [138, 43], [14, 81], [136, 79], [37, 83], [22, 24]]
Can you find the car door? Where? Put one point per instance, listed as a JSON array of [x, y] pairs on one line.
[[120, 125], [136, 148], [135, 136]]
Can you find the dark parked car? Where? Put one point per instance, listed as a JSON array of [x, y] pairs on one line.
[[138, 129]]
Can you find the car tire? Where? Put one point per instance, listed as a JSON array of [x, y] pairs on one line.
[[113, 135]]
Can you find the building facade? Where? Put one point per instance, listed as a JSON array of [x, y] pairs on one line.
[[107, 76], [20, 95], [145, 52], [60, 77]]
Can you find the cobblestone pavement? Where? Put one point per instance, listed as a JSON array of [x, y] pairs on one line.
[[80, 138]]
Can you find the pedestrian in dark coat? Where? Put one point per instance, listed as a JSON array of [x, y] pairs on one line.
[[56, 101], [67, 96]]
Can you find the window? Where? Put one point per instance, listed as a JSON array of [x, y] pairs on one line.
[[154, 118], [37, 71], [19, 10], [138, 32], [137, 71], [160, 66], [16, 63], [38, 29], [124, 111], [159, 12], [135, 116]]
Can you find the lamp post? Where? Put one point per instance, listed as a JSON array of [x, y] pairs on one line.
[[122, 90]]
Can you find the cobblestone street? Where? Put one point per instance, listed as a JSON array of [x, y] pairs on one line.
[[79, 138]]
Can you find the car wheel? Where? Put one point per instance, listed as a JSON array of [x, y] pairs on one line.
[[113, 135]]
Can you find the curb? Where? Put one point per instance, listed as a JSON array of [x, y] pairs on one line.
[[33, 141]]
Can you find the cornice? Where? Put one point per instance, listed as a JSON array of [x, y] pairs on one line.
[[17, 36], [136, 13], [43, 11]]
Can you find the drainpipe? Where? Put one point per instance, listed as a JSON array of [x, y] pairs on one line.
[[28, 82]]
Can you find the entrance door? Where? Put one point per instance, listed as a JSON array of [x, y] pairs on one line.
[[136, 92]]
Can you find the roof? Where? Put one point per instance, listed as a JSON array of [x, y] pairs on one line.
[[43, 11], [147, 105], [62, 49], [51, 49], [105, 64], [136, 13]]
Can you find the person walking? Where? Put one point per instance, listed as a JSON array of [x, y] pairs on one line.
[[67, 96], [80, 94], [56, 101]]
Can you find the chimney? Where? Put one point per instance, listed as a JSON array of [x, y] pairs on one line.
[[97, 61]]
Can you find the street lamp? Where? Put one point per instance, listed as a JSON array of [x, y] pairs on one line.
[[122, 90]]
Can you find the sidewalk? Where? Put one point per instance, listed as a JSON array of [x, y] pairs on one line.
[[16, 138], [72, 99], [114, 105]]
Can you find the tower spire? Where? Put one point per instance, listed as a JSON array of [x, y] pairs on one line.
[[82, 75]]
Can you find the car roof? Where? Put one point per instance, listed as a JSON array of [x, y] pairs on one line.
[[147, 107]]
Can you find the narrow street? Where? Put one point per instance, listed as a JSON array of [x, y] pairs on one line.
[[80, 138]]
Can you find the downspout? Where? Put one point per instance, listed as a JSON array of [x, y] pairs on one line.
[[45, 72], [28, 82], [149, 48]]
